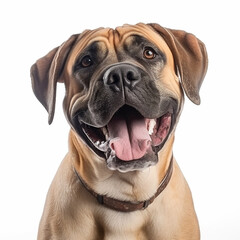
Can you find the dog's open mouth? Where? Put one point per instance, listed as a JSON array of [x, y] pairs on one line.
[[129, 136]]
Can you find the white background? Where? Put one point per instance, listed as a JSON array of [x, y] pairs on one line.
[[207, 138]]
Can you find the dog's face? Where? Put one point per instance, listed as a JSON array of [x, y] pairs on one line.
[[123, 95]]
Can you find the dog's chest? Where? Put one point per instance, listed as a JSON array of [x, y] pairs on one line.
[[111, 225]]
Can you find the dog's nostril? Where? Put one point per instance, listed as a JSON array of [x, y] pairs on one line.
[[114, 78], [132, 76]]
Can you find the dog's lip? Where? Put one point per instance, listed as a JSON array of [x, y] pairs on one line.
[[98, 138]]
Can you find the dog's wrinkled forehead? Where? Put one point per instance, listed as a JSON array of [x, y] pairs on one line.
[[107, 40]]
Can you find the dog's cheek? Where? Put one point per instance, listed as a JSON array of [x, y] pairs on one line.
[[170, 83], [83, 78], [73, 91]]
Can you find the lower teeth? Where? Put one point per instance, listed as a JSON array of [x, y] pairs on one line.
[[102, 146], [110, 155]]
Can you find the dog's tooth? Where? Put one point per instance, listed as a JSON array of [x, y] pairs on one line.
[[103, 146], [151, 126], [110, 157], [105, 132]]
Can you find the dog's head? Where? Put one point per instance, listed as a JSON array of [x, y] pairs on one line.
[[123, 88]]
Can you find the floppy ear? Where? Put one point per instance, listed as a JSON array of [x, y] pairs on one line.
[[46, 72], [190, 58]]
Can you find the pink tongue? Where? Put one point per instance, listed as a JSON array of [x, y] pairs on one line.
[[129, 136]]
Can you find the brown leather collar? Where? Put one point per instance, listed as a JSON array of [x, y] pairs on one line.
[[127, 206]]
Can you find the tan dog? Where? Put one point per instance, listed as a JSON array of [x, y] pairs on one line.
[[123, 100]]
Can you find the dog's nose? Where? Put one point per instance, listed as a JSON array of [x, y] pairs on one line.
[[121, 75]]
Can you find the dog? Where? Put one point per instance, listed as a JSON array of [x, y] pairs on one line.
[[124, 96]]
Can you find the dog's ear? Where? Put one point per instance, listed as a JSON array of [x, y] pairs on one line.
[[46, 72], [190, 58]]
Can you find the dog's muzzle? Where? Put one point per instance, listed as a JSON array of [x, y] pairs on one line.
[[119, 125]]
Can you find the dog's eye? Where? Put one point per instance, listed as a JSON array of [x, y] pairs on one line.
[[86, 61], [149, 53]]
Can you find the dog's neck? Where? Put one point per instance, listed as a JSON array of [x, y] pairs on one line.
[[131, 186]]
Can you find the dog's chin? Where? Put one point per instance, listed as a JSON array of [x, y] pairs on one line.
[[148, 160], [129, 141]]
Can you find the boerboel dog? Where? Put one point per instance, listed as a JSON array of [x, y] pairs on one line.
[[124, 95]]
